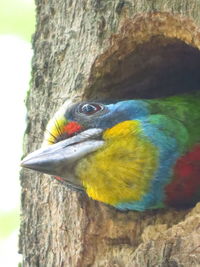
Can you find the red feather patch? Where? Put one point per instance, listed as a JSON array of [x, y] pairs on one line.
[[59, 178], [186, 184], [72, 128]]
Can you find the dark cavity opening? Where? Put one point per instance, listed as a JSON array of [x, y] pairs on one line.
[[158, 68]]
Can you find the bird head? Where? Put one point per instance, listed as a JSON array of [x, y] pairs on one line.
[[100, 148]]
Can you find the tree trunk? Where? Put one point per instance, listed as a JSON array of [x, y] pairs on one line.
[[106, 49]]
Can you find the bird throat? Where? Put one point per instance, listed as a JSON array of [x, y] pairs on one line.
[[122, 169]]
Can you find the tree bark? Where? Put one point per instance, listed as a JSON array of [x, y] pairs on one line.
[[106, 49]]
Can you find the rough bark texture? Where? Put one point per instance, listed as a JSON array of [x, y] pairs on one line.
[[106, 50]]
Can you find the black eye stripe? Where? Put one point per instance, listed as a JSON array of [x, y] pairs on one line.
[[90, 108]]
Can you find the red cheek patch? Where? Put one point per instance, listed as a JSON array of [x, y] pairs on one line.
[[59, 178], [72, 128]]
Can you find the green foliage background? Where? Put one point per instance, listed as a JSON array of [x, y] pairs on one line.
[[17, 17]]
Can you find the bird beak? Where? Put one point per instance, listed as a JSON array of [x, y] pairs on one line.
[[59, 159]]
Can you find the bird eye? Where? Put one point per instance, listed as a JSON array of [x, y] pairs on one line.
[[90, 109]]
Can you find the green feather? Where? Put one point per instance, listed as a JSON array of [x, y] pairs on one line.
[[185, 109]]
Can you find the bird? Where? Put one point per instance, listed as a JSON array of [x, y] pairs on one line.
[[134, 154]]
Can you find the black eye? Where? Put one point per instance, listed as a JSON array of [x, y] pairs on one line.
[[90, 109]]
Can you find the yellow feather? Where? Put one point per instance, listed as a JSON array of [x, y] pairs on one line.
[[56, 125], [55, 128], [122, 169]]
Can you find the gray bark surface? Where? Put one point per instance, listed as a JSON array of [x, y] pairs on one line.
[[101, 49]]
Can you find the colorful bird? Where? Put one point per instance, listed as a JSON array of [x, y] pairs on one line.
[[133, 154]]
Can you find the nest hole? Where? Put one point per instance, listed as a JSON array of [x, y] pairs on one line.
[[157, 68]]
